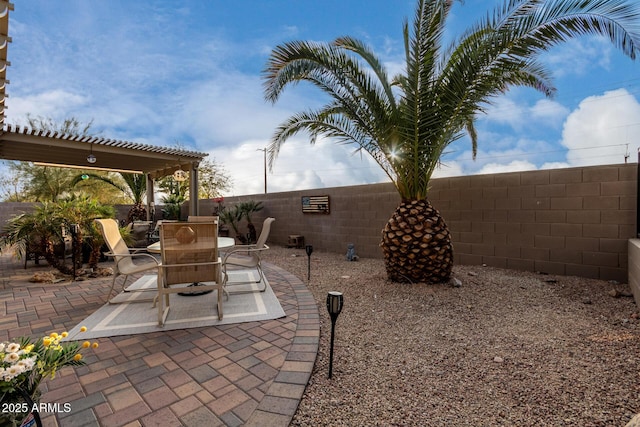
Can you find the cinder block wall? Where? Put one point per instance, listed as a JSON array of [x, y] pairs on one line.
[[565, 221], [573, 221], [634, 268]]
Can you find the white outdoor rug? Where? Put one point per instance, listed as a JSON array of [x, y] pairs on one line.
[[137, 317]]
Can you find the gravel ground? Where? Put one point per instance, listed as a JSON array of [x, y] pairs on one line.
[[504, 348]]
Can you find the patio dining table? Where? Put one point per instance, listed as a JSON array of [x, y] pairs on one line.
[[223, 242]]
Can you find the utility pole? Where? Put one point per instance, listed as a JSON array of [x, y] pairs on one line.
[[265, 167]]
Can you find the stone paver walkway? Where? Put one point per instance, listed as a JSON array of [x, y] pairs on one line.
[[249, 374]]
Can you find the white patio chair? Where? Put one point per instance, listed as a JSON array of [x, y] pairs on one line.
[[127, 261], [247, 257], [189, 257]]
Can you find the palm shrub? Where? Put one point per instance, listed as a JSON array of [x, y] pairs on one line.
[[232, 216], [406, 122], [247, 209], [83, 210], [134, 187], [48, 224], [43, 227]]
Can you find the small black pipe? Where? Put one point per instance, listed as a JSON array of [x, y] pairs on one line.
[[309, 250], [333, 330]]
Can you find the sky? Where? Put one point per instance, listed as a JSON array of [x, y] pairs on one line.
[[190, 73]]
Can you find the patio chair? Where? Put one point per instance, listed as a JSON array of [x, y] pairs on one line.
[[248, 257], [190, 263], [127, 261]]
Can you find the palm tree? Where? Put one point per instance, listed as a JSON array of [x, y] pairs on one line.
[[135, 187], [405, 123], [247, 209]]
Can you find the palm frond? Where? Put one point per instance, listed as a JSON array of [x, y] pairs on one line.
[[405, 123]]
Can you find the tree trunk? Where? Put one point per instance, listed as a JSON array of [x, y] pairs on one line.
[[417, 245], [48, 252]]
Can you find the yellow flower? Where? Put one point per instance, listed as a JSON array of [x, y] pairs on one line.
[[86, 344], [28, 348], [46, 342], [54, 335], [65, 334], [77, 357], [94, 345], [83, 329]]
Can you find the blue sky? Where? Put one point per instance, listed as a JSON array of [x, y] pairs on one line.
[[189, 72]]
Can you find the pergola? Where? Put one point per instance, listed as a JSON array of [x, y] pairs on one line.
[[63, 150]]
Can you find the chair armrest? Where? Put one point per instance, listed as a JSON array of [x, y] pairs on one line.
[[245, 249], [134, 255], [138, 250]]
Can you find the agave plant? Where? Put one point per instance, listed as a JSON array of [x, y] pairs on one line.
[[406, 122]]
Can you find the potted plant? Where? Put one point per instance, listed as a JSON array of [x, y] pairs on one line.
[[24, 363]]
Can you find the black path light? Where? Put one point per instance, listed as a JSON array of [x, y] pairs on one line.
[[309, 250], [334, 307]]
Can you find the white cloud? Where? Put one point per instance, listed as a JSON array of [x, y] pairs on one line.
[[447, 169], [549, 111], [512, 111], [299, 165], [513, 166], [505, 110], [578, 56], [45, 104], [555, 165], [598, 131]]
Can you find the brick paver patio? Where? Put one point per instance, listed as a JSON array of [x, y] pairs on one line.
[[250, 374]]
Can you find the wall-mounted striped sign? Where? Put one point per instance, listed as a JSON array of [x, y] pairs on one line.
[[315, 204]]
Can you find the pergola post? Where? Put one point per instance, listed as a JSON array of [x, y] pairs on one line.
[[193, 189], [151, 206]]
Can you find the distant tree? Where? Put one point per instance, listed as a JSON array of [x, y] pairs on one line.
[[212, 179], [11, 184], [69, 126], [41, 183]]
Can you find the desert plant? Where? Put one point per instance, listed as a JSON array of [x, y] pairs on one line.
[[50, 221], [231, 216], [134, 187], [405, 123], [246, 210]]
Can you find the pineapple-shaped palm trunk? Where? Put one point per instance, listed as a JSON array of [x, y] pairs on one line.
[[417, 244]]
